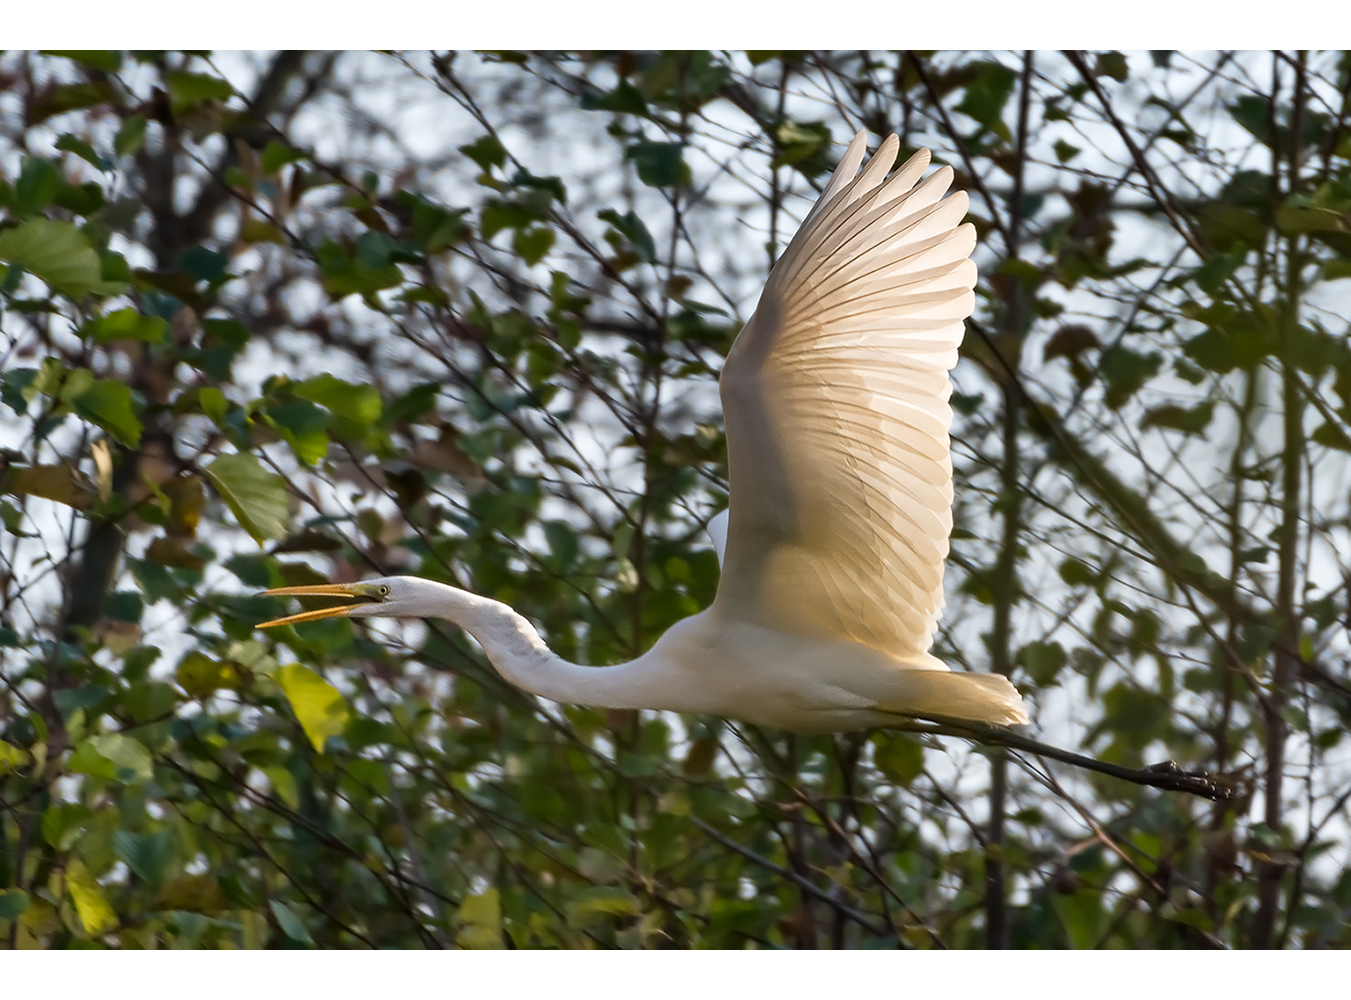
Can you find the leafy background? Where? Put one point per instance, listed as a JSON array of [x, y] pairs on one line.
[[284, 317]]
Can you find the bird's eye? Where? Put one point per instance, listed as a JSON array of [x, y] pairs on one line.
[[382, 590]]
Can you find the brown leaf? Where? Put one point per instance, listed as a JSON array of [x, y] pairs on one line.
[[193, 893], [186, 498], [1069, 341], [445, 455], [172, 552], [103, 462]]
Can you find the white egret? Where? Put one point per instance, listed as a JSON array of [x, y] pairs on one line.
[[835, 401]]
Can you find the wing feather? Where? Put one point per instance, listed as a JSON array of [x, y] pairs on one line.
[[835, 396]]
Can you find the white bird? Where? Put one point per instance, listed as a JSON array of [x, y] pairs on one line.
[[835, 401]]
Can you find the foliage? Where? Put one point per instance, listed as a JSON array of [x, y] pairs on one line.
[[250, 340]]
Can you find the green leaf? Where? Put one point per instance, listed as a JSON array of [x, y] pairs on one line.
[[377, 250], [1299, 219], [602, 901], [987, 94], [146, 854], [85, 892], [1081, 914], [1064, 151], [14, 389], [632, 229], [130, 136], [684, 80], [1335, 269], [1218, 269], [434, 227], [898, 756], [1331, 436], [659, 164], [1112, 64], [56, 252], [257, 497], [11, 758], [624, 99], [532, 244], [1187, 419], [1042, 661], [113, 757], [277, 155], [112, 406], [213, 404], [1133, 716], [1125, 372], [228, 331], [70, 97], [86, 199], [37, 186], [805, 145], [1254, 114], [82, 149], [62, 825], [108, 61], [498, 215], [357, 402], [344, 274], [413, 404], [487, 152], [1241, 343], [289, 923], [318, 706], [126, 324], [303, 425], [1077, 573], [187, 89], [1192, 917], [480, 917], [154, 580], [124, 606], [283, 783], [13, 904], [201, 676]]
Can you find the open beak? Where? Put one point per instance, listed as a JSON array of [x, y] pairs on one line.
[[343, 590]]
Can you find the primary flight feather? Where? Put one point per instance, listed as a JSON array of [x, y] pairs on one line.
[[835, 400]]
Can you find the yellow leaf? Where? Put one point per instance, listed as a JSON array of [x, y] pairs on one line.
[[600, 901], [254, 930], [87, 895], [480, 917], [284, 784], [103, 462], [318, 706], [11, 758], [63, 483]]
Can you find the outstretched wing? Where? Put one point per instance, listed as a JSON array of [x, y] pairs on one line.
[[835, 397]]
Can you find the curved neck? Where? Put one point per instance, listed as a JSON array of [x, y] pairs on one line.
[[515, 649]]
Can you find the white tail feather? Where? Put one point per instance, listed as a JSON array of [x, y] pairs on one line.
[[975, 697]]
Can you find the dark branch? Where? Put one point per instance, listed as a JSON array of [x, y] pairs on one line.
[[1167, 775]]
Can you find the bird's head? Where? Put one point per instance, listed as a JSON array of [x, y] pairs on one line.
[[382, 597]]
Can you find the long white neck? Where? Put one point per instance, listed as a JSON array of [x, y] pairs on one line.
[[513, 646]]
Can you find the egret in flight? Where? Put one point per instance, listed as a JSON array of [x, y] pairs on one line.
[[835, 402]]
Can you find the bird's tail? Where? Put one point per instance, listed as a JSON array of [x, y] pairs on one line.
[[939, 694]]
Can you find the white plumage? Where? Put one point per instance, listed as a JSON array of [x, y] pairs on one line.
[[835, 399]]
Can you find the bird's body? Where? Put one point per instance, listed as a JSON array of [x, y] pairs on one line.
[[835, 403]]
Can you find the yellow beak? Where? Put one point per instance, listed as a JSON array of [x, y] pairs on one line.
[[342, 590]]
